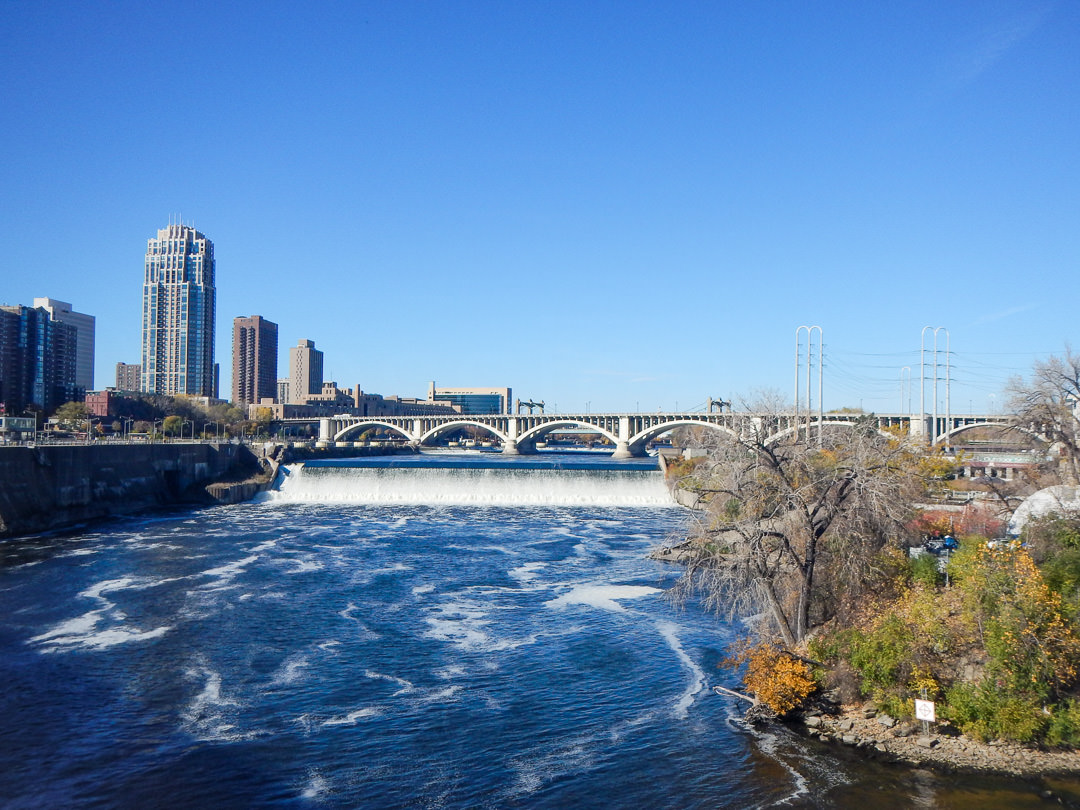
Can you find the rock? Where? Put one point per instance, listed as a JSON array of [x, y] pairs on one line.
[[812, 722], [887, 721], [905, 730], [926, 742], [846, 725], [849, 739]]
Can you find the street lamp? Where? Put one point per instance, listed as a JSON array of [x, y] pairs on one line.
[[153, 435], [127, 427], [187, 422]]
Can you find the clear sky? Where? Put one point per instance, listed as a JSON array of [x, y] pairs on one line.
[[605, 205]]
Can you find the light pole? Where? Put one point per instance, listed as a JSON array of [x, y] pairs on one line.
[[127, 427], [187, 422], [153, 436]]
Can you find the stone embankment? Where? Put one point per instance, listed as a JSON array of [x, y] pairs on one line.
[[53, 486], [50, 487], [881, 736]]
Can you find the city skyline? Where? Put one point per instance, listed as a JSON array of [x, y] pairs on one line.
[[616, 207]]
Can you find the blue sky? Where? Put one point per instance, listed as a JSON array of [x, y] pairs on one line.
[[612, 205]]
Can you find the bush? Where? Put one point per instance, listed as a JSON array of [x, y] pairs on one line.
[[984, 712], [1064, 728], [924, 570], [879, 654], [774, 676]]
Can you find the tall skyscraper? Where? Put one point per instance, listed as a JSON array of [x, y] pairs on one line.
[[254, 360], [37, 360], [84, 326], [179, 301], [305, 371]]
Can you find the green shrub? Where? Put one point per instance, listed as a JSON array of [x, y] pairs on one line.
[[924, 570], [984, 712], [879, 655], [1064, 728]]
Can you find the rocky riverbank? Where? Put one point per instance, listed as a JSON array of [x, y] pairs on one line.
[[876, 734]]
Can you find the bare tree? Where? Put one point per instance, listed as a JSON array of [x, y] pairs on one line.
[[1047, 406], [789, 523]]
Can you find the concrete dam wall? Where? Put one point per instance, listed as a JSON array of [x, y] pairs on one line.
[[52, 486]]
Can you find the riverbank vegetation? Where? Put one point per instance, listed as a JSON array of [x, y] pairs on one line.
[[157, 414], [809, 539]]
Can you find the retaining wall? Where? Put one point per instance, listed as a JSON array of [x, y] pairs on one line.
[[52, 486]]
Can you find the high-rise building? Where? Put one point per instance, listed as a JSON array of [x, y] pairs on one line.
[[127, 376], [179, 300], [84, 326], [254, 360], [305, 372], [37, 360]]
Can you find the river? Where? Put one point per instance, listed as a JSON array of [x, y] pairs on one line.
[[438, 632]]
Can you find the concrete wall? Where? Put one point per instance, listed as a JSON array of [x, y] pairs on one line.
[[49, 487]]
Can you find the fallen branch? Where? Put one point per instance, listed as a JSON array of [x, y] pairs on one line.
[[722, 690]]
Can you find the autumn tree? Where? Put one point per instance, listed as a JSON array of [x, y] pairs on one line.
[[791, 526], [1046, 404]]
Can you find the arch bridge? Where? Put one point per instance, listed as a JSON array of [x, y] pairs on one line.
[[629, 433]]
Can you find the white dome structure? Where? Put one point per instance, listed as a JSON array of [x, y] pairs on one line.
[[1064, 500]]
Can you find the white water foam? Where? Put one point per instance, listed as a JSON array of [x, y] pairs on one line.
[[210, 714], [317, 786], [405, 685], [291, 671], [463, 486], [224, 574], [601, 596], [528, 572], [82, 632], [670, 632], [352, 718]]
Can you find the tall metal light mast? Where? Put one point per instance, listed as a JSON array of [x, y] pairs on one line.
[[809, 375], [922, 379]]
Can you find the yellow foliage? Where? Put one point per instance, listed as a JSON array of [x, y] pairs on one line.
[[773, 675]]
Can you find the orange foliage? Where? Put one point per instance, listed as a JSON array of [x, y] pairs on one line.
[[773, 675]]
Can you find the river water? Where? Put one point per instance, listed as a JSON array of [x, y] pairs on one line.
[[440, 632]]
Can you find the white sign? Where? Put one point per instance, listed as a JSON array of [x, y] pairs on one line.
[[924, 710]]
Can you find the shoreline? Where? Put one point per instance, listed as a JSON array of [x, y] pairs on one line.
[[863, 729]]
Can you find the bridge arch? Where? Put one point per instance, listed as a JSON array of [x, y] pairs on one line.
[[638, 441], [448, 427], [846, 423], [359, 427], [944, 437], [534, 434]]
